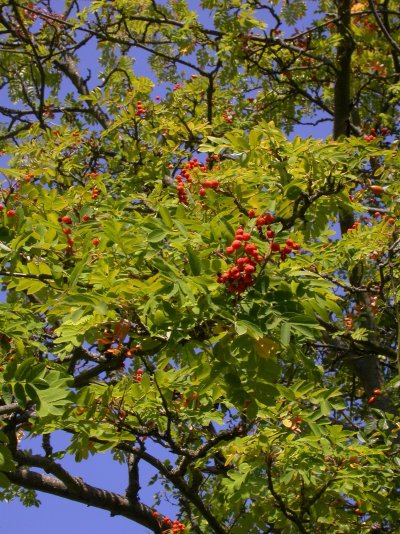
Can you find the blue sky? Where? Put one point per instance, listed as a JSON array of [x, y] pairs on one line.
[[58, 516]]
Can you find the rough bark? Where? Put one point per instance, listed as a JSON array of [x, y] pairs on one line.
[[367, 368]]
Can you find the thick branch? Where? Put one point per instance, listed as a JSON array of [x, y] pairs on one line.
[[382, 26], [86, 494], [69, 68]]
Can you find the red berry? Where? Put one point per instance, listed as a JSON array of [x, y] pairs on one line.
[[1, 207], [236, 244], [230, 250], [202, 192], [269, 219], [95, 241], [246, 236], [249, 269], [70, 241], [296, 246], [289, 242], [66, 219], [391, 220], [270, 234], [371, 400], [377, 391], [155, 514], [377, 189], [11, 213], [67, 231], [251, 214], [275, 247], [86, 217], [250, 248]]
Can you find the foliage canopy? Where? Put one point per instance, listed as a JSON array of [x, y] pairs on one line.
[[180, 272]]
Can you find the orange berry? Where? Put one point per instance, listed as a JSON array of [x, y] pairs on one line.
[[377, 189]]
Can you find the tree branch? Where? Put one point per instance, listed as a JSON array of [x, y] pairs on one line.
[[86, 494]]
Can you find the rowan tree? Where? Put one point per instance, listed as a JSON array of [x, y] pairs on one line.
[[181, 270]]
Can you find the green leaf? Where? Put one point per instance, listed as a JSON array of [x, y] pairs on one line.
[[325, 407], [156, 235], [245, 327], [165, 216], [194, 261], [4, 482], [285, 334]]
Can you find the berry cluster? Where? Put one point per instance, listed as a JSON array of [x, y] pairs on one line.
[[185, 177], [92, 174], [228, 115], [357, 224], [208, 184], [95, 193], [140, 111], [168, 525], [66, 219], [139, 375], [267, 219], [375, 394], [373, 134], [66, 222], [241, 276]]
